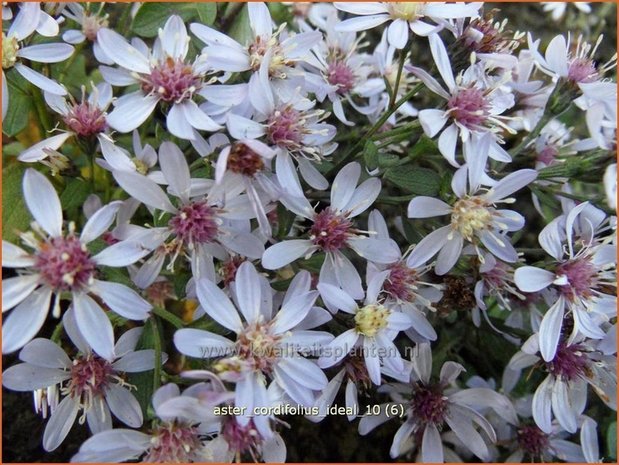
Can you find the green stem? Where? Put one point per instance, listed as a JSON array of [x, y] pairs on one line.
[[396, 87], [169, 317], [57, 333], [158, 351], [44, 118], [532, 135]]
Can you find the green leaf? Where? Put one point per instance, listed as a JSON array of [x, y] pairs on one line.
[[152, 16], [370, 155], [207, 12], [75, 193], [20, 106], [611, 441], [420, 181], [150, 339], [424, 146], [15, 216], [13, 149], [240, 29]]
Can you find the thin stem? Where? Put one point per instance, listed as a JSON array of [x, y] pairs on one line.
[[532, 135], [57, 333], [169, 317], [158, 351], [396, 87]]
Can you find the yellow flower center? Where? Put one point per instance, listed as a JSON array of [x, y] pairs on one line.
[[9, 51], [406, 10], [370, 319], [470, 215]]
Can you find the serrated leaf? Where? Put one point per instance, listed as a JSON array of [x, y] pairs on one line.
[[75, 193], [152, 16], [420, 181], [15, 216]]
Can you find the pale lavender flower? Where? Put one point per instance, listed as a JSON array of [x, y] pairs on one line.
[[90, 22], [557, 9], [430, 406], [88, 382], [584, 273], [163, 76], [404, 16], [375, 328], [474, 219], [333, 230], [178, 435], [563, 393], [30, 19], [116, 158], [199, 228], [61, 263], [268, 345]]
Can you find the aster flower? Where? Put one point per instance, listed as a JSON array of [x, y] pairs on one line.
[[88, 382], [584, 275], [268, 345], [86, 119], [90, 22], [403, 16], [30, 19], [163, 76], [340, 72], [178, 435], [375, 328], [333, 230], [406, 286], [474, 107], [60, 263], [429, 406], [200, 227], [474, 219], [294, 128], [116, 158], [557, 9], [563, 393], [287, 50]]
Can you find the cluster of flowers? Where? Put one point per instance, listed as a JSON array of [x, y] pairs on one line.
[[267, 188]]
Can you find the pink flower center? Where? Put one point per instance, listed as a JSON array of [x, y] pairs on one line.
[[173, 442], [85, 119], [357, 371], [284, 127], [65, 264], [402, 282], [581, 276], [229, 268], [241, 439], [499, 276], [533, 441], [259, 347], [547, 155], [330, 230], [243, 160], [89, 376], [429, 405], [172, 81], [341, 75], [469, 107], [582, 70], [569, 362], [195, 223]]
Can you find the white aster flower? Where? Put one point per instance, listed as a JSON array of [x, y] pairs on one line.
[[88, 382], [474, 219], [557, 9], [30, 19], [60, 264], [163, 76], [333, 230], [91, 22], [403, 16], [268, 345]]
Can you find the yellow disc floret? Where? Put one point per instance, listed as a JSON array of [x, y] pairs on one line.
[[9, 51], [470, 215], [405, 10], [371, 318]]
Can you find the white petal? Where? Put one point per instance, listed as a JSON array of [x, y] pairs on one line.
[[60, 423], [16, 289], [361, 23], [344, 185], [449, 254], [556, 55], [26, 21], [337, 298], [197, 118], [294, 311], [337, 349], [217, 304], [282, 253], [99, 222], [145, 190], [25, 320], [364, 196], [304, 372], [511, 183], [532, 279], [27, 377], [260, 19], [432, 121], [37, 151], [174, 39], [121, 254], [94, 325], [175, 169], [397, 33], [202, 344], [431, 445], [247, 289], [376, 250], [428, 246], [135, 362], [244, 128], [550, 330], [562, 408], [447, 144], [15, 257], [118, 49], [442, 61], [44, 353], [46, 53], [124, 405], [43, 202], [427, 207], [131, 111], [121, 299]]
